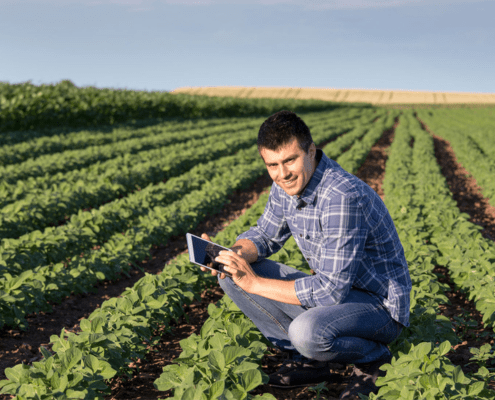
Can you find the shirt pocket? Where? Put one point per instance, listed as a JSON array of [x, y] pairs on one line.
[[312, 237]]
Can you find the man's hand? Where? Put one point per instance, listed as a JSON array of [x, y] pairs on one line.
[[213, 271], [242, 273]]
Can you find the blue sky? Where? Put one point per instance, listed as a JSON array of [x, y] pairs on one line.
[[435, 45]]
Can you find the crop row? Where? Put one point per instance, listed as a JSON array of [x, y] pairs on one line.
[[34, 147], [203, 362], [475, 150], [71, 159], [28, 106], [477, 123], [103, 182], [19, 189], [469, 257], [420, 368], [97, 158], [22, 377], [82, 362], [121, 330], [108, 180], [30, 290]]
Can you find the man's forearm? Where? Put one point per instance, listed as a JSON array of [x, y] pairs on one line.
[[276, 289], [248, 250]]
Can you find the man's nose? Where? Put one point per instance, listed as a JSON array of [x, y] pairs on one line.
[[284, 172]]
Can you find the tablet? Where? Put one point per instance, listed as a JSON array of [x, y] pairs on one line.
[[202, 252]]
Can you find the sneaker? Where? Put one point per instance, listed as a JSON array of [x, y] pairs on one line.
[[303, 373], [363, 378]]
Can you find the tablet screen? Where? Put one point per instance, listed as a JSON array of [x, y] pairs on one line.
[[204, 252]]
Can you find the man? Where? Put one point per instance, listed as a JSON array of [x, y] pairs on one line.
[[357, 300]]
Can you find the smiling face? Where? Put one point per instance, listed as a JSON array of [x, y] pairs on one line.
[[290, 167]]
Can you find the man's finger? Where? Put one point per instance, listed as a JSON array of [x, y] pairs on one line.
[[205, 237]]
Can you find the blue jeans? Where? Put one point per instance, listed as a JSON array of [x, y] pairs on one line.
[[353, 332]]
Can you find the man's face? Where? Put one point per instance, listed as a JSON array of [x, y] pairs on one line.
[[290, 167]]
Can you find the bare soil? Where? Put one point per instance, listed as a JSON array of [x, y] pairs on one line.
[[17, 346], [462, 312]]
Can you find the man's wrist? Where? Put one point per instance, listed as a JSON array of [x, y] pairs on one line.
[[249, 254]]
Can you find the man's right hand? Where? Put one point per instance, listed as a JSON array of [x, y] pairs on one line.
[[213, 272]]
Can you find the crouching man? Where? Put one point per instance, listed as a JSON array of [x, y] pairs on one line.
[[357, 300]]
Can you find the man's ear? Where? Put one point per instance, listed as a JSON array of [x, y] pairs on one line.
[[312, 149]]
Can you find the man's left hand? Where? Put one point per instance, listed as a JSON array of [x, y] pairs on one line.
[[241, 271]]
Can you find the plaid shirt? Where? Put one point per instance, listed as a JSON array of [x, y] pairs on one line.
[[346, 234]]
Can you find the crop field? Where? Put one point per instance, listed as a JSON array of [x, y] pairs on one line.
[[376, 97], [99, 301]]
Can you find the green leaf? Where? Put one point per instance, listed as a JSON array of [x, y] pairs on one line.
[[97, 325], [475, 388], [422, 350], [76, 394], [232, 353], [245, 366], [194, 394], [106, 370], [216, 390], [145, 291], [458, 375], [55, 380], [217, 342], [45, 352], [251, 379], [17, 374], [70, 358], [85, 325], [91, 362], [63, 383], [216, 360], [444, 348]]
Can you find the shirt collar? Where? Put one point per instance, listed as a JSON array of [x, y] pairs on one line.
[[309, 193]]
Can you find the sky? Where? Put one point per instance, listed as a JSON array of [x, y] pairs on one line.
[[161, 45]]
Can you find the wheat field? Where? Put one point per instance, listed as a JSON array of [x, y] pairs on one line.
[[378, 97]]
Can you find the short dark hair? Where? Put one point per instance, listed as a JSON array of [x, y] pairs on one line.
[[280, 129]]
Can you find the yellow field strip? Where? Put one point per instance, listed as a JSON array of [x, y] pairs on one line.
[[345, 95]]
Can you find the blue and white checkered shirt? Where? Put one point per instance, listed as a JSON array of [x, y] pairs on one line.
[[346, 234]]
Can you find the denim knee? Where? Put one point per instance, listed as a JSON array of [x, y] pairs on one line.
[[304, 336]]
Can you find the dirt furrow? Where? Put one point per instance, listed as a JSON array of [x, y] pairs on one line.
[[462, 312], [18, 346], [464, 187]]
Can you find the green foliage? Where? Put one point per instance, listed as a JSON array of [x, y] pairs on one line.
[[28, 106], [127, 227], [220, 363], [424, 372]]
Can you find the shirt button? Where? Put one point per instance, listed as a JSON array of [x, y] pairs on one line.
[[300, 235]]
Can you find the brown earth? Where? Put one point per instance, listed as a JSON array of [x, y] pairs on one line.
[[18, 346], [462, 312]]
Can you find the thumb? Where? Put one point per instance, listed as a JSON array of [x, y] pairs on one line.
[[205, 237]]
